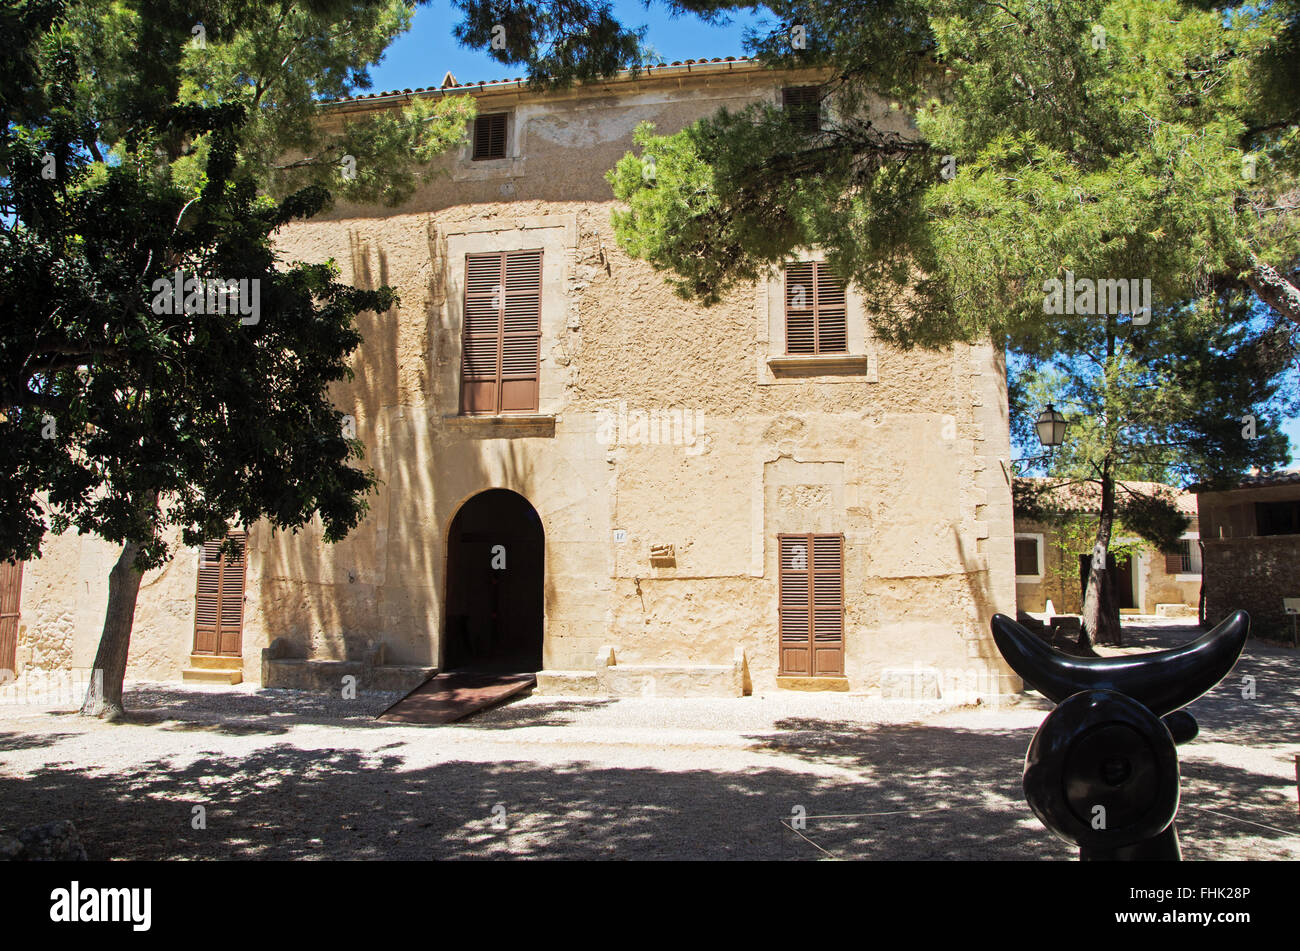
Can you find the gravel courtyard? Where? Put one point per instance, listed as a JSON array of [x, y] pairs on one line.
[[289, 776]]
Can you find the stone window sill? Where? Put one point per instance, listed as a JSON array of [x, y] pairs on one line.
[[504, 426], [823, 364]]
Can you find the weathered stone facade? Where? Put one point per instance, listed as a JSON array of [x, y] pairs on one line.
[[1155, 589], [1244, 568], [659, 423]]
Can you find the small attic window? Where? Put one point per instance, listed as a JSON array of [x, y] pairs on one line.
[[490, 136], [804, 106]]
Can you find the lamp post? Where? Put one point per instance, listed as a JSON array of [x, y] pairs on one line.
[[1051, 427]]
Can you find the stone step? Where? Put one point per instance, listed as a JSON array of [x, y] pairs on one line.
[[644, 680], [568, 683], [205, 675], [813, 683], [671, 680], [214, 662]]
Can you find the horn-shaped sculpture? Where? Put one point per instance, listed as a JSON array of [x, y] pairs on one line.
[[1102, 770]]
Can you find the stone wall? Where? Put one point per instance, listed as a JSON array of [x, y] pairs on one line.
[[65, 595], [1253, 574]]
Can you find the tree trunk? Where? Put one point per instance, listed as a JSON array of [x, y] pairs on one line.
[[1100, 607], [110, 659], [1275, 290]]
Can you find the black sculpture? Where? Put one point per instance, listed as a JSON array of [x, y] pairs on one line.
[[1102, 770]]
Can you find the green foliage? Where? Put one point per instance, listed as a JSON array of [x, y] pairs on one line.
[[558, 43], [1123, 139], [281, 61], [129, 154]]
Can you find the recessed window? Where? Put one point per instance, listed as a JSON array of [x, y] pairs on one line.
[[500, 362], [490, 136], [1277, 518], [1185, 559], [803, 104], [1029, 557], [816, 315]]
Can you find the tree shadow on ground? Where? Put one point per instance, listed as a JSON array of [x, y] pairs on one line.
[[30, 741], [510, 714], [920, 792], [1257, 704]]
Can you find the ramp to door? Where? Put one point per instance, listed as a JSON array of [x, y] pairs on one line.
[[453, 696]]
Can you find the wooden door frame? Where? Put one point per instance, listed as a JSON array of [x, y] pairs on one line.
[[222, 565], [810, 573], [9, 641]]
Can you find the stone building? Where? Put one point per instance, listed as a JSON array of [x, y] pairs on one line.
[[1050, 566], [590, 477], [1251, 539]]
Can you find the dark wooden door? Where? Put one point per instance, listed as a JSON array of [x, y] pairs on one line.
[[219, 600], [811, 623], [496, 594], [11, 589], [1121, 573]]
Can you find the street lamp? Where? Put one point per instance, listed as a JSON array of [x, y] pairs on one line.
[[1051, 427]]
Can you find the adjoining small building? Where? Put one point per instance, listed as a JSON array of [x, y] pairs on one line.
[[1251, 545], [1052, 563]]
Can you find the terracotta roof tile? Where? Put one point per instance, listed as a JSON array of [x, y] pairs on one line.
[[1257, 480], [1086, 497], [483, 83]]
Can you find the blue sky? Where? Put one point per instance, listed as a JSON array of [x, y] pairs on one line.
[[421, 57]]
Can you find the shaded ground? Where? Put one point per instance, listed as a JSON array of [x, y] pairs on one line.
[[285, 776]]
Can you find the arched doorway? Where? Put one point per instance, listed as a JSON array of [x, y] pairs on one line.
[[495, 562]]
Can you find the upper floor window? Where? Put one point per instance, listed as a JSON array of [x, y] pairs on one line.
[[816, 315], [501, 360], [1029, 557], [1277, 518], [803, 104], [490, 136], [1185, 559]]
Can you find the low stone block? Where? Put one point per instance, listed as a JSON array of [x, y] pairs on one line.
[[568, 683]]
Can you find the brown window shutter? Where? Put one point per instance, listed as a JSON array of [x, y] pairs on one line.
[[219, 599], [800, 308], [811, 580], [1026, 556], [1179, 562], [490, 136], [816, 310], [832, 313], [11, 590], [501, 361], [803, 104], [480, 359]]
